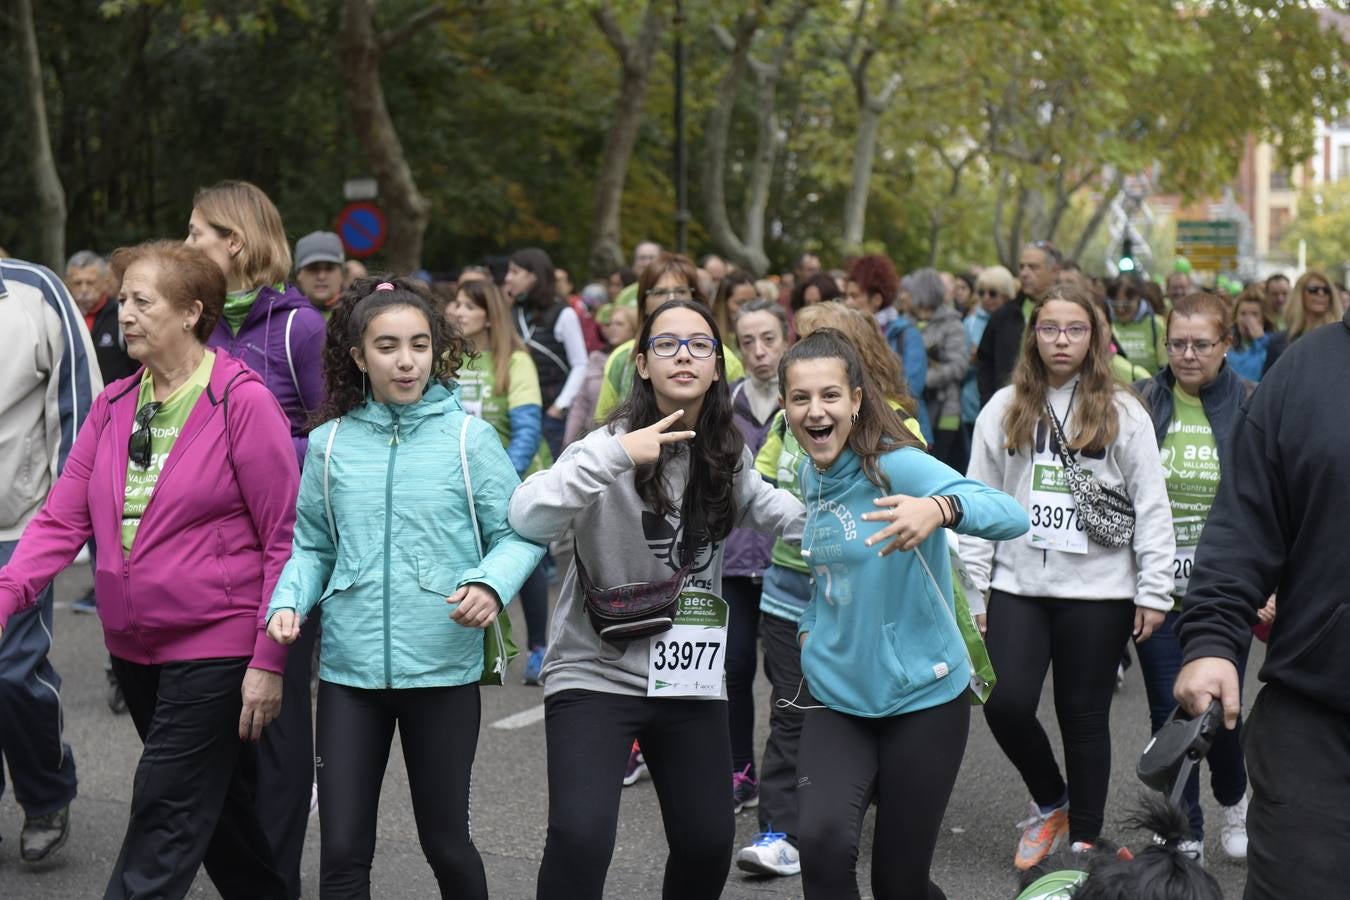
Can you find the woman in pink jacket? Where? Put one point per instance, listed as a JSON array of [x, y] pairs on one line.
[[182, 476]]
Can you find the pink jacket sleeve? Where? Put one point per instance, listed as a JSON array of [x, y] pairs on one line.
[[260, 441], [61, 527]]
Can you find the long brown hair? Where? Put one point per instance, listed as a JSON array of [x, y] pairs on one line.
[[878, 429], [1096, 422], [882, 365], [502, 339]]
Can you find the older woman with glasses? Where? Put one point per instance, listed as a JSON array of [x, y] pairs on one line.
[[1195, 402], [672, 276], [188, 554]]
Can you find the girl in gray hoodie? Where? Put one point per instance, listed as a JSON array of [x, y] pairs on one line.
[[649, 498]]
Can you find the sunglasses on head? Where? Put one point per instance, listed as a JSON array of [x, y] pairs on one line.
[[138, 447]]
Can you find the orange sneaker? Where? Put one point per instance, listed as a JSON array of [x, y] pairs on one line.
[[1042, 834]]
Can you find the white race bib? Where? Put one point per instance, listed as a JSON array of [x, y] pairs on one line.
[[1181, 569], [1055, 524], [689, 660]]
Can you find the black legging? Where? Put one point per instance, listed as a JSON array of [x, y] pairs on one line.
[[742, 596], [909, 764], [1083, 639], [685, 744], [439, 731]]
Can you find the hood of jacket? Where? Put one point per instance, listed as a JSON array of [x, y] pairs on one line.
[[438, 399]]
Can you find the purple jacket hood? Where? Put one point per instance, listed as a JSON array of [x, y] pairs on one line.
[[292, 369]]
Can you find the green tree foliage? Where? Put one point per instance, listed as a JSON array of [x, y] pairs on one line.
[[1005, 122], [1324, 225]]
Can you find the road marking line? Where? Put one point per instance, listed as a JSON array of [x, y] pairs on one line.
[[521, 719]]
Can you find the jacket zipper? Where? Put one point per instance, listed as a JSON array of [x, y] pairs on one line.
[[388, 545]]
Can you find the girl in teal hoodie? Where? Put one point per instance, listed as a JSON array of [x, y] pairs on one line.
[[881, 650], [402, 536]]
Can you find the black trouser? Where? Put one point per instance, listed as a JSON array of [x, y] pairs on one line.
[[778, 773], [534, 602], [688, 755], [742, 596], [192, 801], [1082, 638], [286, 761], [439, 731], [908, 763], [952, 447], [1298, 824]]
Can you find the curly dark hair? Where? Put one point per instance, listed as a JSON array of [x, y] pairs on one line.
[[358, 306], [876, 274], [709, 501]]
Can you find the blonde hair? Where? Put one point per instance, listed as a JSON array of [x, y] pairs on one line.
[[502, 338], [881, 363], [242, 209], [999, 279], [1096, 421], [1297, 317]]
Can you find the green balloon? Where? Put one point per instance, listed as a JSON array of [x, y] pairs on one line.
[[1182, 265]]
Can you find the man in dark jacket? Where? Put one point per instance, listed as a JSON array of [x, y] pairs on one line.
[[87, 279], [1277, 526], [1002, 342]]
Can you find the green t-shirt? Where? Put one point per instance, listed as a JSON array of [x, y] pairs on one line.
[[1144, 342], [1190, 461], [164, 430], [479, 397]]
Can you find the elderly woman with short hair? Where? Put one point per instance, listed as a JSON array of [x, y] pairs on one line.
[[994, 286], [944, 339], [176, 474]]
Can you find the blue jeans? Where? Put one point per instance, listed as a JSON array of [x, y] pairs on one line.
[[40, 762], [1160, 661]]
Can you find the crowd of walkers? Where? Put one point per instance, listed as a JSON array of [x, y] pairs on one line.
[[909, 494]]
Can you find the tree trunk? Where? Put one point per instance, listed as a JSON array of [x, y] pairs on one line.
[[1098, 215], [51, 196], [860, 180], [406, 210], [636, 59], [723, 236]]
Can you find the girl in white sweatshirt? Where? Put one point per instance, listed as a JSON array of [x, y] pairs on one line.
[[1056, 596]]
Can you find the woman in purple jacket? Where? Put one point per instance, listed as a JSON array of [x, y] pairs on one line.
[[762, 334], [277, 333], [188, 554]]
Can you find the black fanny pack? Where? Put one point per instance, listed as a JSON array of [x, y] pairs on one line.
[[631, 611]]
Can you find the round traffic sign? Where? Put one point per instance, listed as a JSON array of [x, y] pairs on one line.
[[362, 229]]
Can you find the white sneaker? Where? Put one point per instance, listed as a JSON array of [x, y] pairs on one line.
[[770, 854], [1233, 832], [1194, 849]]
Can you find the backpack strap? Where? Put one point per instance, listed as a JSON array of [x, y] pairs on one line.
[[327, 502], [290, 361], [468, 484]]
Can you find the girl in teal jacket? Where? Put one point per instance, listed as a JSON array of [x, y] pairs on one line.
[[402, 536], [881, 649]]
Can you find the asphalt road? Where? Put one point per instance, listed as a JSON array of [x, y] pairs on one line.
[[510, 811]]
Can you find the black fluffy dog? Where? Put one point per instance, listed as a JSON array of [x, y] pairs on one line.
[[1158, 872]]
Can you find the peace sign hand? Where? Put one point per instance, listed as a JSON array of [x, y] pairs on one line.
[[644, 445]]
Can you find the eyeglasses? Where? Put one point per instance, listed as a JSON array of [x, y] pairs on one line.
[[1075, 332], [670, 293], [1201, 348], [138, 448], [667, 345], [986, 292], [1318, 289]]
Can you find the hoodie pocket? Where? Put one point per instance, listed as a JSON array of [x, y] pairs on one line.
[[436, 578], [898, 673], [343, 577], [222, 568]]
